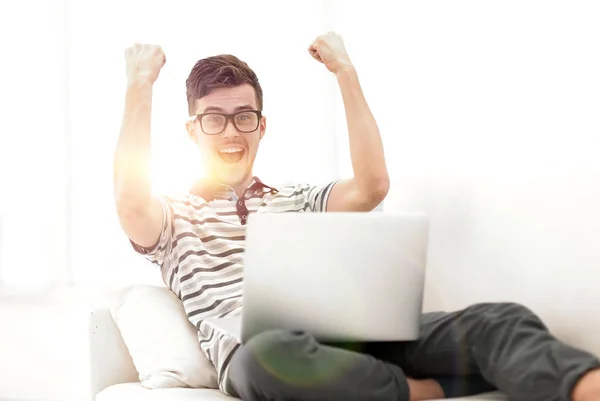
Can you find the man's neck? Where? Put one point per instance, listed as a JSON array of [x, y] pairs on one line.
[[208, 185], [241, 187]]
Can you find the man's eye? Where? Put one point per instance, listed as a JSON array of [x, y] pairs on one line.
[[215, 119]]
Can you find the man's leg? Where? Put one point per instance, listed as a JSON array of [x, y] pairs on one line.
[[279, 365], [506, 345]]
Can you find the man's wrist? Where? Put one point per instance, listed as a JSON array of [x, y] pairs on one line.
[[140, 83], [345, 73]]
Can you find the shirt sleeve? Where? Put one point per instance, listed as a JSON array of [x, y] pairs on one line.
[[159, 251], [317, 196]]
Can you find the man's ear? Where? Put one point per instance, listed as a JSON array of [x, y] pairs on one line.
[[263, 126], [191, 130]]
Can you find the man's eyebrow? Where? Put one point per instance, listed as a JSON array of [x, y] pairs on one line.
[[221, 110], [213, 108], [244, 107]]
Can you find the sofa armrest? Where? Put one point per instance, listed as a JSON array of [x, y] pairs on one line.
[[110, 362]]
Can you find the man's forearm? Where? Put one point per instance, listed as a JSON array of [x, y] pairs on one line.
[[366, 147], [132, 169]]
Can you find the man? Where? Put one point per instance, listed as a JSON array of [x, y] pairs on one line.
[[198, 241]]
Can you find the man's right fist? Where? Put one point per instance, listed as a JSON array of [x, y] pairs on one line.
[[144, 62]]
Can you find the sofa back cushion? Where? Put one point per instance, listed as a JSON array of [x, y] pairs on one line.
[[163, 344]]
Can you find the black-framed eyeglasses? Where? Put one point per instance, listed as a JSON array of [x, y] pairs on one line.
[[215, 123]]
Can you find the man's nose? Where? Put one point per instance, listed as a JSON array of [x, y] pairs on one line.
[[230, 131]]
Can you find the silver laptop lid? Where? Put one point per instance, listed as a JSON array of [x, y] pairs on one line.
[[338, 276]]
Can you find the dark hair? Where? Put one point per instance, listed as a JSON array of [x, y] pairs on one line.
[[220, 71]]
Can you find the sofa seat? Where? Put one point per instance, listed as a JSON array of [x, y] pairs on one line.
[[135, 392]]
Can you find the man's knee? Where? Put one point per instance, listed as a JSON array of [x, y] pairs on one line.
[[258, 365], [279, 341], [270, 347], [505, 313], [506, 309]]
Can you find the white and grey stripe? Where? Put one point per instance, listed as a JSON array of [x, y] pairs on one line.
[[201, 246]]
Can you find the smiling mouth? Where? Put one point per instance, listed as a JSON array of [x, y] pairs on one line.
[[232, 154]]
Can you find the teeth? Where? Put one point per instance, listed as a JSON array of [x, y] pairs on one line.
[[231, 150]]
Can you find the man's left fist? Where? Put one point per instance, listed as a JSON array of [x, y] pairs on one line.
[[329, 49]]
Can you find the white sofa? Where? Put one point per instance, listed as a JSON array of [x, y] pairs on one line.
[[114, 377]]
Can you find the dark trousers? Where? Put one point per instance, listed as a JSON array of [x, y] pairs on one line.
[[481, 348]]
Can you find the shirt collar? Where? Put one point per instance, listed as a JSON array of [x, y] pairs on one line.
[[208, 190]]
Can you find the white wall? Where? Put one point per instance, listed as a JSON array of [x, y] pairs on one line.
[[33, 136], [39, 343]]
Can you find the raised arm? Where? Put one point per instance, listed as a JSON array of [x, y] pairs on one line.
[[370, 183], [140, 213]]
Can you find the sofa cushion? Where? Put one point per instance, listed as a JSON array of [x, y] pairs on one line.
[[135, 392], [163, 344]]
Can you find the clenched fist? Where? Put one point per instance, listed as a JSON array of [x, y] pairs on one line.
[[329, 49], [144, 62]]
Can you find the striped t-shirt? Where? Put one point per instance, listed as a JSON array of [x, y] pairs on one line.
[[201, 246]]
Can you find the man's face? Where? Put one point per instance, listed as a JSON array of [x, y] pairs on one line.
[[228, 157]]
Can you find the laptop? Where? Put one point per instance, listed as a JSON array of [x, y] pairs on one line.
[[337, 276]]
